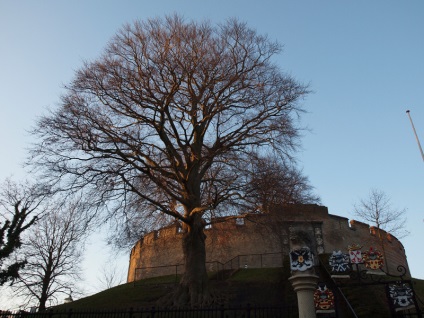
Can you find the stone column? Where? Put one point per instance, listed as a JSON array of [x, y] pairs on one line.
[[304, 284]]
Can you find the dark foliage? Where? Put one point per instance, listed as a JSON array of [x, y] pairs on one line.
[[18, 203]]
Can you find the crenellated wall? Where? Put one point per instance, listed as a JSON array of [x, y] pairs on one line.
[[262, 240]]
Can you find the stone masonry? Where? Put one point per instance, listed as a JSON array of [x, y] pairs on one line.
[[262, 240]]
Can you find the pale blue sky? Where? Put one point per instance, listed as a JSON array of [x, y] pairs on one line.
[[364, 61]]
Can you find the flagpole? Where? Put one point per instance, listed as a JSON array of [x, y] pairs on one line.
[[416, 136]]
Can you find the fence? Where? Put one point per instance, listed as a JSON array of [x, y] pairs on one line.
[[266, 260], [219, 312]]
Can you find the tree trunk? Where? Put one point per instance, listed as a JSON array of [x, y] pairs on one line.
[[45, 286], [194, 289], [42, 303]]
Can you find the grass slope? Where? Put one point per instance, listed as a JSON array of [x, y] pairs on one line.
[[262, 287]]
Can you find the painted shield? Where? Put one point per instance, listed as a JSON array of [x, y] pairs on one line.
[[355, 254], [323, 298], [301, 259], [401, 296], [373, 259], [339, 262]]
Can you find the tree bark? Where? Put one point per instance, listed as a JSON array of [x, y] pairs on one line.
[[194, 287]]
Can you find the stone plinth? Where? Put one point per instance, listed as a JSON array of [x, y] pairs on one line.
[[304, 284]]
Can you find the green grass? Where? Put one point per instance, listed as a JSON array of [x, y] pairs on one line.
[[254, 286], [123, 296], [263, 287], [257, 275], [418, 285]]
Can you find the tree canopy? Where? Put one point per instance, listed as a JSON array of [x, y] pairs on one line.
[[165, 123], [377, 209]]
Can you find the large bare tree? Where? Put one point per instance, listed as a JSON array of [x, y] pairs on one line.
[[19, 210], [271, 182], [53, 251], [164, 123]]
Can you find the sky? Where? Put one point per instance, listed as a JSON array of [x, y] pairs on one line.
[[363, 61]]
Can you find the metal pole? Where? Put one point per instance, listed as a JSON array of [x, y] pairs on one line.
[[416, 136]]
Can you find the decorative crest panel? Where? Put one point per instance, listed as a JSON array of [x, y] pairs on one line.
[[301, 259]]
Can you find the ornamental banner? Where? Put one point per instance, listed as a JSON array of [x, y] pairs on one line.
[[355, 254], [401, 297], [373, 259], [339, 263], [323, 299], [301, 259]]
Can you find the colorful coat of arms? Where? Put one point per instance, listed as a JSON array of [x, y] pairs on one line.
[[301, 259], [373, 259], [323, 298], [355, 254], [402, 296], [339, 262]]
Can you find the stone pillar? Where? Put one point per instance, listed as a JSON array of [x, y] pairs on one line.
[[304, 284]]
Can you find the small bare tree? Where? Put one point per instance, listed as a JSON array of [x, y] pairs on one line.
[[110, 275], [53, 251], [163, 123], [19, 209], [378, 210]]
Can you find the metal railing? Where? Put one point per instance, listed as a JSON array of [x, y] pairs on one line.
[[265, 260], [339, 293], [217, 312]]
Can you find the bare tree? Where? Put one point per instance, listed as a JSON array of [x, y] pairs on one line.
[[110, 275], [19, 205], [53, 251], [378, 210], [274, 182], [164, 121]]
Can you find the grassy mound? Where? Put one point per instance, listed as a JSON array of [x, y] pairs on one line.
[[265, 287], [260, 287]]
